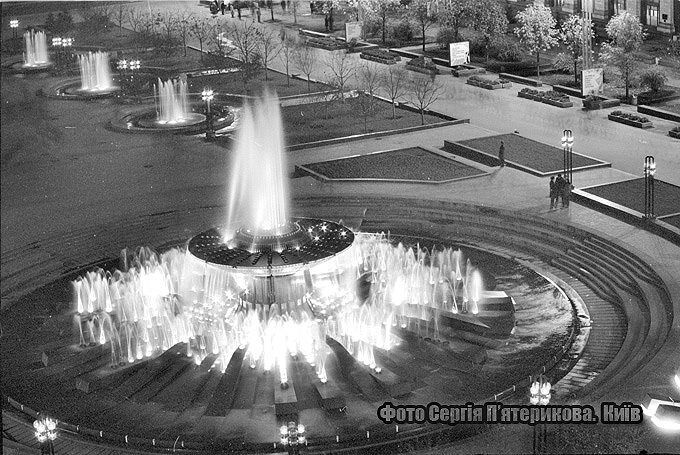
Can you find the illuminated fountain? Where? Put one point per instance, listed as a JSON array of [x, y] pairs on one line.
[[273, 285], [35, 55], [172, 104], [95, 73]]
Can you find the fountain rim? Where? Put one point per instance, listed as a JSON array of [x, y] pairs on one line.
[[299, 249]]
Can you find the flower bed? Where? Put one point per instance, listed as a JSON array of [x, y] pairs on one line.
[[591, 102], [380, 56], [630, 119], [329, 44], [550, 97], [466, 70], [675, 132], [488, 83], [421, 65]]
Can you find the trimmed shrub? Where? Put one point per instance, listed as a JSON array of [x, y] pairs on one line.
[[653, 79], [505, 50], [403, 31], [445, 36]]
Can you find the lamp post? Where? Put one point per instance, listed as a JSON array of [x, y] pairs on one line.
[[292, 436], [207, 96], [539, 394], [14, 25], [46, 433], [650, 170], [567, 145]]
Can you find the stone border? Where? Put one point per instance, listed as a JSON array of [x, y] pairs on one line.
[[521, 79], [657, 112], [629, 122], [434, 151], [492, 160], [626, 214], [358, 137]]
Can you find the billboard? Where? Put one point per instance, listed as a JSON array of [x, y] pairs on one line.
[[592, 81], [459, 53], [352, 30]]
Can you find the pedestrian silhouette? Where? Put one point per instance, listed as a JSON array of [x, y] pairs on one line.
[[553, 193], [501, 154]]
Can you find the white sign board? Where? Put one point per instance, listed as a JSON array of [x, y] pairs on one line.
[[592, 81], [352, 30], [459, 53]]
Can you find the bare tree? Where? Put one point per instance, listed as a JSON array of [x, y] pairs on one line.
[[119, 16], [305, 60], [395, 83], [296, 5], [369, 82], [136, 19], [184, 21], [425, 91], [245, 38], [288, 44], [342, 68], [166, 23], [201, 29], [268, 47]]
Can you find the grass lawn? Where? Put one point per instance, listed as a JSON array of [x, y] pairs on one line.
[[672, 106], [673, 220], [631, 194], [528, 153], [327, 120], [233, 83], [404, 164]]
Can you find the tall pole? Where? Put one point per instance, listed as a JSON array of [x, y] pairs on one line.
[[650, 170], [567, 146]]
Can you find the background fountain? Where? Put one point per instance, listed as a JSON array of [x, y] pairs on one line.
[[35, 55], [95, 73], [172, 104]]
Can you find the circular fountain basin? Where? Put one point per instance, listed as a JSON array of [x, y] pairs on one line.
[[23, 68], [74, 90], [145, 120], [191, 119]]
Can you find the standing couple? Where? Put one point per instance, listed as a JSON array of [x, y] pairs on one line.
[[560, 188]]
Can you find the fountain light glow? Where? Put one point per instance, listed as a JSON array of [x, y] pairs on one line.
[[35, 54], [276, 286], [95, 72], [173, 104]]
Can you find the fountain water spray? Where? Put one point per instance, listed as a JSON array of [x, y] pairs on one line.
[[36, 49], [95, 72], [276, 286], [173, 104]]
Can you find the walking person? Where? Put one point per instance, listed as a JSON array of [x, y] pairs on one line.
[[259, 15], [231, 9], [238, 10], [501, 154], [222, 7], [553, 193]]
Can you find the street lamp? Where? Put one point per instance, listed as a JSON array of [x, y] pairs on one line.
[[207, 96], [293, 435], [567, 145], [14, 25], [539, 394], [650, 170], [46, 433]]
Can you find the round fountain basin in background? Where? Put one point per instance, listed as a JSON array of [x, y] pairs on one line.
[[192, 118], [23, 68], [145, 120], [74, 90]]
